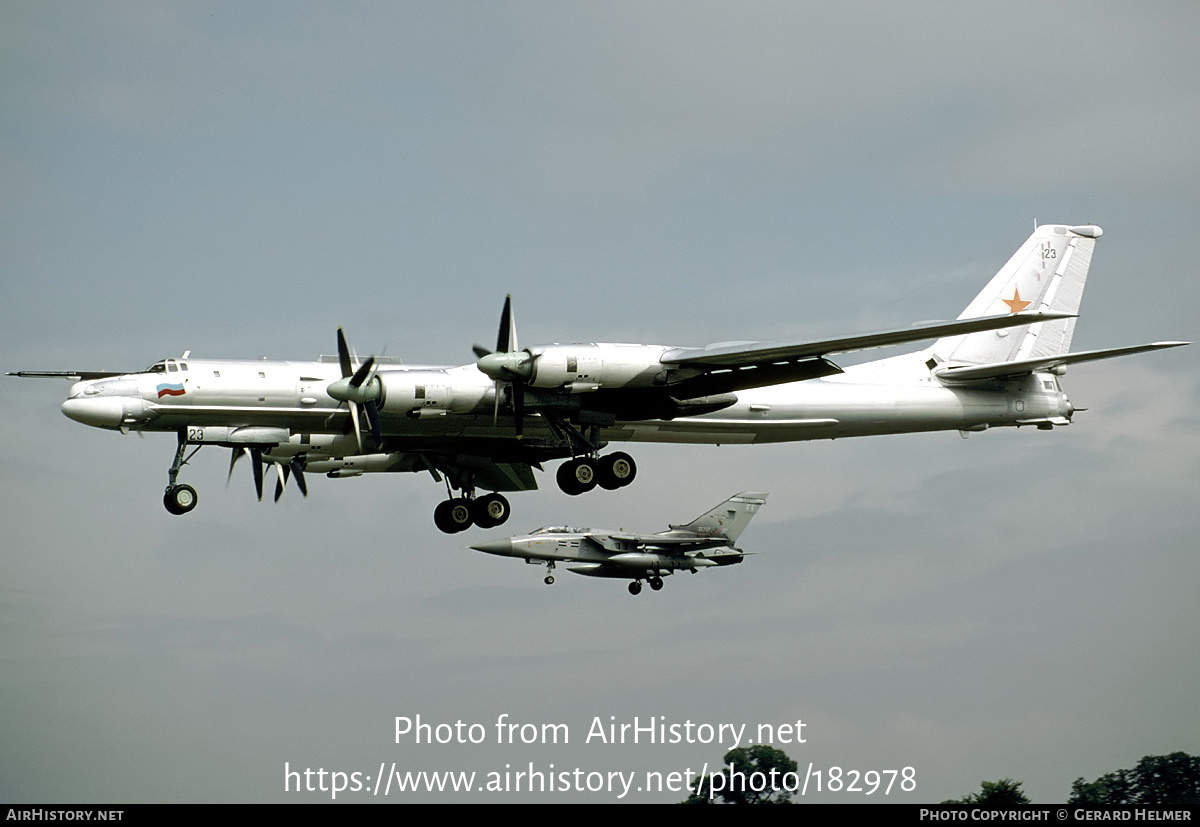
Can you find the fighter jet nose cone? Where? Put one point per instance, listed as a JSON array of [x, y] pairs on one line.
[[495, 547]]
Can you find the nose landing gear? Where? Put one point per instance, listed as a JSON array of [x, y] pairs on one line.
[[180, 499]]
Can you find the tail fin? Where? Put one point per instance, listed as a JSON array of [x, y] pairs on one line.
[[1047, 274], [729, 519]]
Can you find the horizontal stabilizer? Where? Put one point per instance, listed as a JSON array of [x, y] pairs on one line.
[[968, 374], [756, 353]]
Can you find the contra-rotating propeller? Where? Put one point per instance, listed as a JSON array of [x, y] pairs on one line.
[[507, 364], [356, 388], [295, 466], [255, 455]]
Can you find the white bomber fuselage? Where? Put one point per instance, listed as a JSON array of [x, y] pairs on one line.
[[890, 396], [212, 393], [894, 395]]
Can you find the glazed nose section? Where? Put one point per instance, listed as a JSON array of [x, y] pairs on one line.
[[98, 411]]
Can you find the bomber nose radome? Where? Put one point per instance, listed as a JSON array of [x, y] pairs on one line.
[[503, 547], [99, 411]]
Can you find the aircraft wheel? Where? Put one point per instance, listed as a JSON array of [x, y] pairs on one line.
[[549, 579], [490, 511], [441, 517], [566, 479], [180, 499], [459, 513], [453, 516], [577, 476], [635, 587], [656, 583], [616, 471]]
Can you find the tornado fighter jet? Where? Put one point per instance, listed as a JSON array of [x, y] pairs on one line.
[[484, 427], [705, 542]]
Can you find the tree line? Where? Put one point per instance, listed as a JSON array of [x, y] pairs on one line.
[[1171, 780]]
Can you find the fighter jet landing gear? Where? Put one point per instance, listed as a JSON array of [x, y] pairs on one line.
[[584, 473], [549, 581], [460, 513], [655, 582], [180, 499]]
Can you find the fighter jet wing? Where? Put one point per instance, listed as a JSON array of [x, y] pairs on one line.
[[674, 545], [759, 354]]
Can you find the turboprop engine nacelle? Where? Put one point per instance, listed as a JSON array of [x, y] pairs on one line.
[[431, 392], [578, 368]]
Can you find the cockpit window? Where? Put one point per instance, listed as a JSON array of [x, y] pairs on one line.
[[157, 367], [171, 367]]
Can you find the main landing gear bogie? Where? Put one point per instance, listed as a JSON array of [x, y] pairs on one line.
[[460, 513], [582, 474]]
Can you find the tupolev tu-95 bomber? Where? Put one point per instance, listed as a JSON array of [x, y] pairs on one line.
[[705, 542], [484, 427]]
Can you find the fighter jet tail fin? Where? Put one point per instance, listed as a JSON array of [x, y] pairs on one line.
[[729, 519], [1047, 274]]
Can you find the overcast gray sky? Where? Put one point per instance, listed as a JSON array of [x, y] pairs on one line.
[[238, 179]]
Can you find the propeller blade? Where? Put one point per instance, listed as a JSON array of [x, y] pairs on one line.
[[256, 455], [354, 424], [237, 453], [281, 478], [518, 398], [344, 355], [362, 373], [507, 365], [506, 339], [373, 421], [297, 465]]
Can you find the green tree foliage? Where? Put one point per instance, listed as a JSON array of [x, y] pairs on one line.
[[1157, 779], [735, 784], [1002, 793]]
